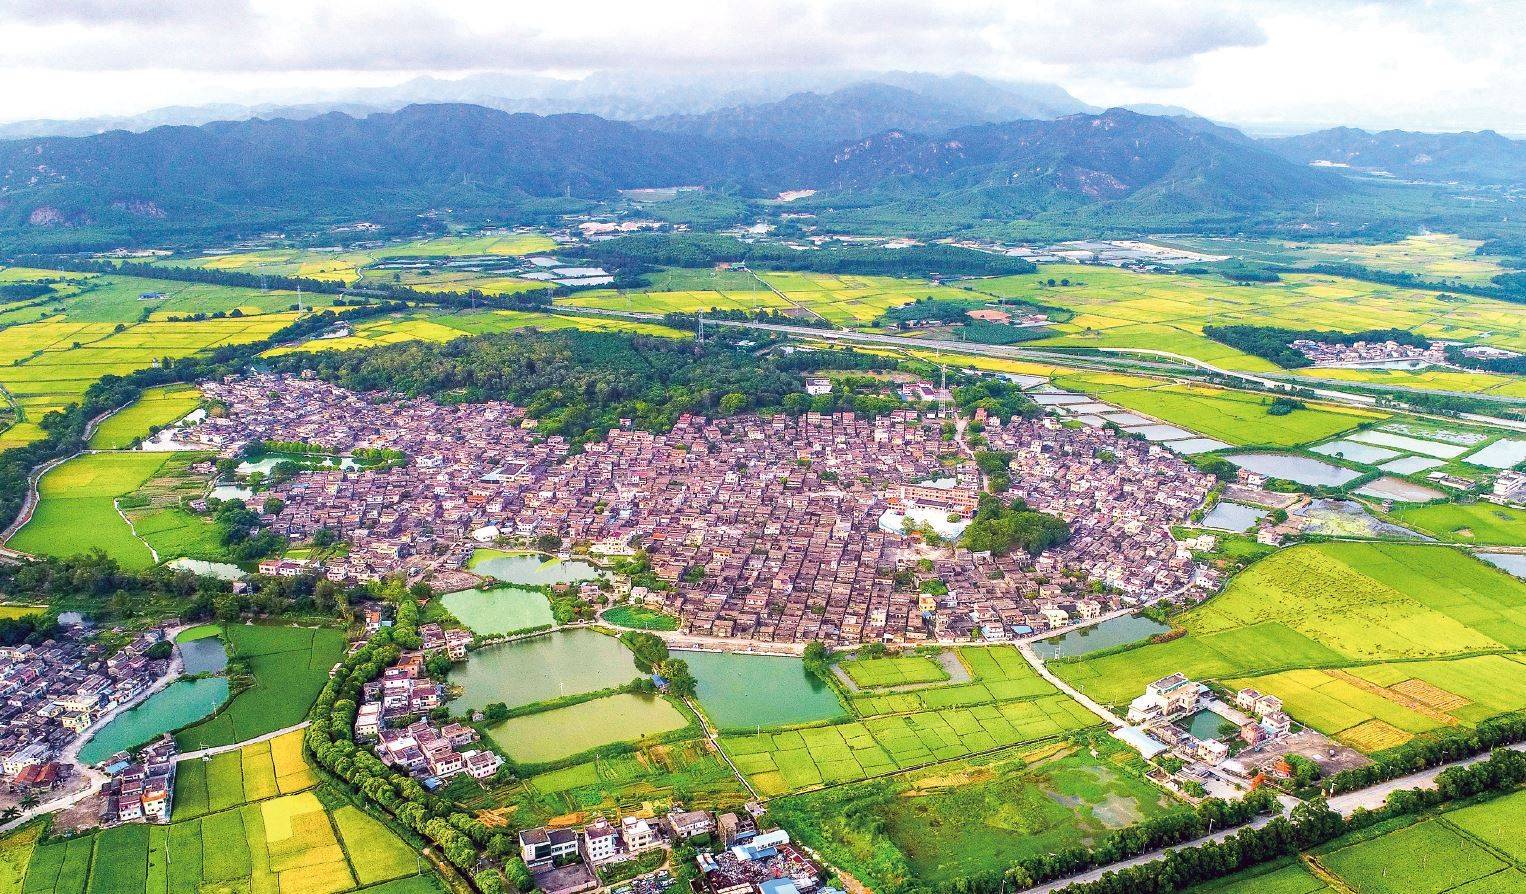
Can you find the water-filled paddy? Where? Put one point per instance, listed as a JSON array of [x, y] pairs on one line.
[[529, 569], [741, 691], [552, 735], [179, 704], [1294, 468], [1112, 632], [492, 612], [565, 662], [1398, 489], [1356, 451], [1502, 454]]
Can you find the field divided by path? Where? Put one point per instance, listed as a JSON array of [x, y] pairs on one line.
[[76, 511]]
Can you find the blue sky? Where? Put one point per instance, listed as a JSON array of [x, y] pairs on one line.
[[1270, 64]]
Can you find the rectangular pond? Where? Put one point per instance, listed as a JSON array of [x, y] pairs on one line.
[[1161, 432], [562, 732], [1204, 725], [1502, 454], [1355, 451], [1237, 517], [1292, 467], [529, 569], [1409, 465], [1387, 488], [564, 662], [494, 612], [1112, 632], [1194, 446], [745, 692], [1408, 444]]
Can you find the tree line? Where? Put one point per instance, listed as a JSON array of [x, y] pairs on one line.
[[649, 251]]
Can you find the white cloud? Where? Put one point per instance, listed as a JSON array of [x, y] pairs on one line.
[[1409, 62]]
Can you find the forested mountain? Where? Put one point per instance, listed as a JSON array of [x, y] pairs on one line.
[[1481, 157], [470, 158]]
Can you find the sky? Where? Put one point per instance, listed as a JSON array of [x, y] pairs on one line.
[[1266, 64]]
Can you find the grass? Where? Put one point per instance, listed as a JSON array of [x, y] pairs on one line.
[[76, 511], [1480, 522], [563, 732], [899, 670], [287, 665], [641, 617], [797, 760], [972, 819], [1326, 605], [157, 407]]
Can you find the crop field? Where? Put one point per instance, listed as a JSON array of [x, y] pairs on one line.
[[1376, 706], [15, 853], [1322, 606], [104, 328], [1431, 379], [444, 327], [844, 300], [252, 773], [659, 774], [1235, 417], [288, 667], [1480, 522], [1433, 255], [797, 760], [282, 845], [1167, 312], [349, 266], [974, 818], [76, 513], [997, 674], [502, 243], [157, 407], [899, 670]]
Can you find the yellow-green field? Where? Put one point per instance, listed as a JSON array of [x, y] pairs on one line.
[[1440, 256], [76, 511], [444, 327], [157, 407], [1326, 625], [1122, 308]]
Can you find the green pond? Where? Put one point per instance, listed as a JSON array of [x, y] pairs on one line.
[[1112, 632], [204, 655], [181, 703], [553, 735], [741, 691], [491, 612], [1204, 724], [529, 569], [564, 662]]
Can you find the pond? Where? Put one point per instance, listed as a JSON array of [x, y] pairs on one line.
[[1204, 725], [1386, 488], [179, 704], [1356, 451], [231, 492], [1348, 518], [1237, 517], [552, 735], [1117, 631], [565, 662], [1409, 465], [493, 612], [1161, 432], [269, 461], [1502, 454], [1294, 468], [1515, 563], [744, 692], [221, 570], [204, 655], [529, 569]]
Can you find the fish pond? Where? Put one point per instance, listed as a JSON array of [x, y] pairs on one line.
[[561, 663], [1204, 725], [499, 611], [203, 655], [530, 569], [1515, 563], [179, 704], [1292, 467], [1117, 631], [561, 732], [1227, 516], [744, 692], [220, 570]]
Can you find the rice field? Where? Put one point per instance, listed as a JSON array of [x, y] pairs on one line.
[[445, 327], [1442, 256], [1167, 312], [996, 674], [252, 773], [1326, 605], [1481, 522], [157, 407], [289, 665], [76, 511], [899, 670], [809, 758]]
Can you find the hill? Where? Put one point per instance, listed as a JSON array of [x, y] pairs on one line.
[[1480, 157]]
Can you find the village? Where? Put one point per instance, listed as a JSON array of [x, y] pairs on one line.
[[763, 529]]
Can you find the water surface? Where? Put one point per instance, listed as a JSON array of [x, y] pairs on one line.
[[741, 691], [530, 569], [1515, 563], [492, 612], [564, 662], [1292, 467], [206, 655], [1112, 632], [1237, 517], [179, 704], [222, 570], [552, 735]]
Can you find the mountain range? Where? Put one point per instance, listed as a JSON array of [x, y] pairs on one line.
[[470, 157], [1479, 157]]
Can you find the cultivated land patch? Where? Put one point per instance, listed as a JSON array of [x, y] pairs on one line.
[[76, 511], [996, 674], [157, 407], [973, 818], [898, 670], [1330, 605], [443, 327], [287, 666], [1481, 522]]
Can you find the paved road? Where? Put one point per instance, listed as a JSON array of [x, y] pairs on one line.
[[1094, 874], [1107, 716], [1373, 797]]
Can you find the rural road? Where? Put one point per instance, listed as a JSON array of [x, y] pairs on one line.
[[1107, 716], [220, 749], [1373, 797]]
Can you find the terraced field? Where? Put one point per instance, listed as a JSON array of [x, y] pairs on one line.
[[1326, 626]]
